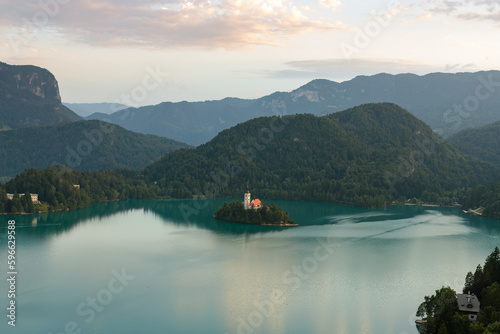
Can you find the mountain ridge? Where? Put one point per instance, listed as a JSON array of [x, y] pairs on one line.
[[87, 109], [432, 98]]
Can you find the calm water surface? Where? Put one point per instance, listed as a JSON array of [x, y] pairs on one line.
[[169, 267]]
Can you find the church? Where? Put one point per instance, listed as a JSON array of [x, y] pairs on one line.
[[251, 204]]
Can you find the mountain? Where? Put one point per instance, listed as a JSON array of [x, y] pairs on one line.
[[87, 109], [29, 96], [190, 122], [482, 143], [83, 145], [367, 155], [446, 102]]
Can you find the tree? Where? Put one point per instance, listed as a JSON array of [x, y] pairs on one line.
[[27, 203], [439, 309], [493, 328], [17, 206], [479, 281], [492, 267], [488, 315], [469, 282], [491, 296]]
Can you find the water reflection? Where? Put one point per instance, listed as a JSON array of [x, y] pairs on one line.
[[343, 221], [195, 274]]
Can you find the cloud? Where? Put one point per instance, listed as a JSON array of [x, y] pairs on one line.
[[459, 43], [342, 69], [425, 17], [334, 5], [172, 23], [467, 10], [480, 16]]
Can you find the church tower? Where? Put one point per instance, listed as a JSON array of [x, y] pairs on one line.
[[246, 200]]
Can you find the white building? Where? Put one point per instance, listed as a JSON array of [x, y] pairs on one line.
[[249, 204]]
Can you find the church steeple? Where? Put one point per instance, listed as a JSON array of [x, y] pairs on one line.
[[247, 200]]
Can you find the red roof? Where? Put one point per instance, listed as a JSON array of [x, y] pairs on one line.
[[257, 201]]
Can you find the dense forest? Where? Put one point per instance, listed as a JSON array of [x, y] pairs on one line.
[[442, 311], [486, 196], [83, 146], [61, 188], [482, 143], [267, 214], [367, 156]]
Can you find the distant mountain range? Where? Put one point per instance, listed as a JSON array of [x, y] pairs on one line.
[[190, 122], [29, 96], [83, 146], [482, 143], [446, 102], [367, 155], [87, 109]]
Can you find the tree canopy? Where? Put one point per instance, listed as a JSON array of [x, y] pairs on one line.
[[267, 214], [441, 310]]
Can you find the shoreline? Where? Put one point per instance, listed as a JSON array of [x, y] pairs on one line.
[[288, 225], [263, 224]]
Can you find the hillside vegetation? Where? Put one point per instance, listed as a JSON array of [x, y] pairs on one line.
[[368, 155], [482, 143], [83, 145], [371, 155], [56, 189]]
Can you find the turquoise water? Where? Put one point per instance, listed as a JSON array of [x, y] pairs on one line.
[[169, 267]]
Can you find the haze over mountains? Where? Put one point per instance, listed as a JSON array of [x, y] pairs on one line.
[[87, 109], [446, 102]]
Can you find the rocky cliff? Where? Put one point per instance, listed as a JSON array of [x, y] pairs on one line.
[[29, 96]]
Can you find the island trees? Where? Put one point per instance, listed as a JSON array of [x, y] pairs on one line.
[[268, 214]]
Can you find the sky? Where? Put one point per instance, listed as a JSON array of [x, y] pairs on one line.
[[142, 52]]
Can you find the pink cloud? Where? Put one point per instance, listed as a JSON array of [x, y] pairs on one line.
[[224, 24]]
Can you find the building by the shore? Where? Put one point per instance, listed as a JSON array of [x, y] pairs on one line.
[[469, 305], [34, 197]]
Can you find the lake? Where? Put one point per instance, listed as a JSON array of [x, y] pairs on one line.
[[169, 267]]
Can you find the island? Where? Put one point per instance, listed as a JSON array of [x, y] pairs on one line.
[[253, 212]]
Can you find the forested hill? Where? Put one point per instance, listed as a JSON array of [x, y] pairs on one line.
[[29, 96], [83, 145], [367, 155], [482, 143]]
